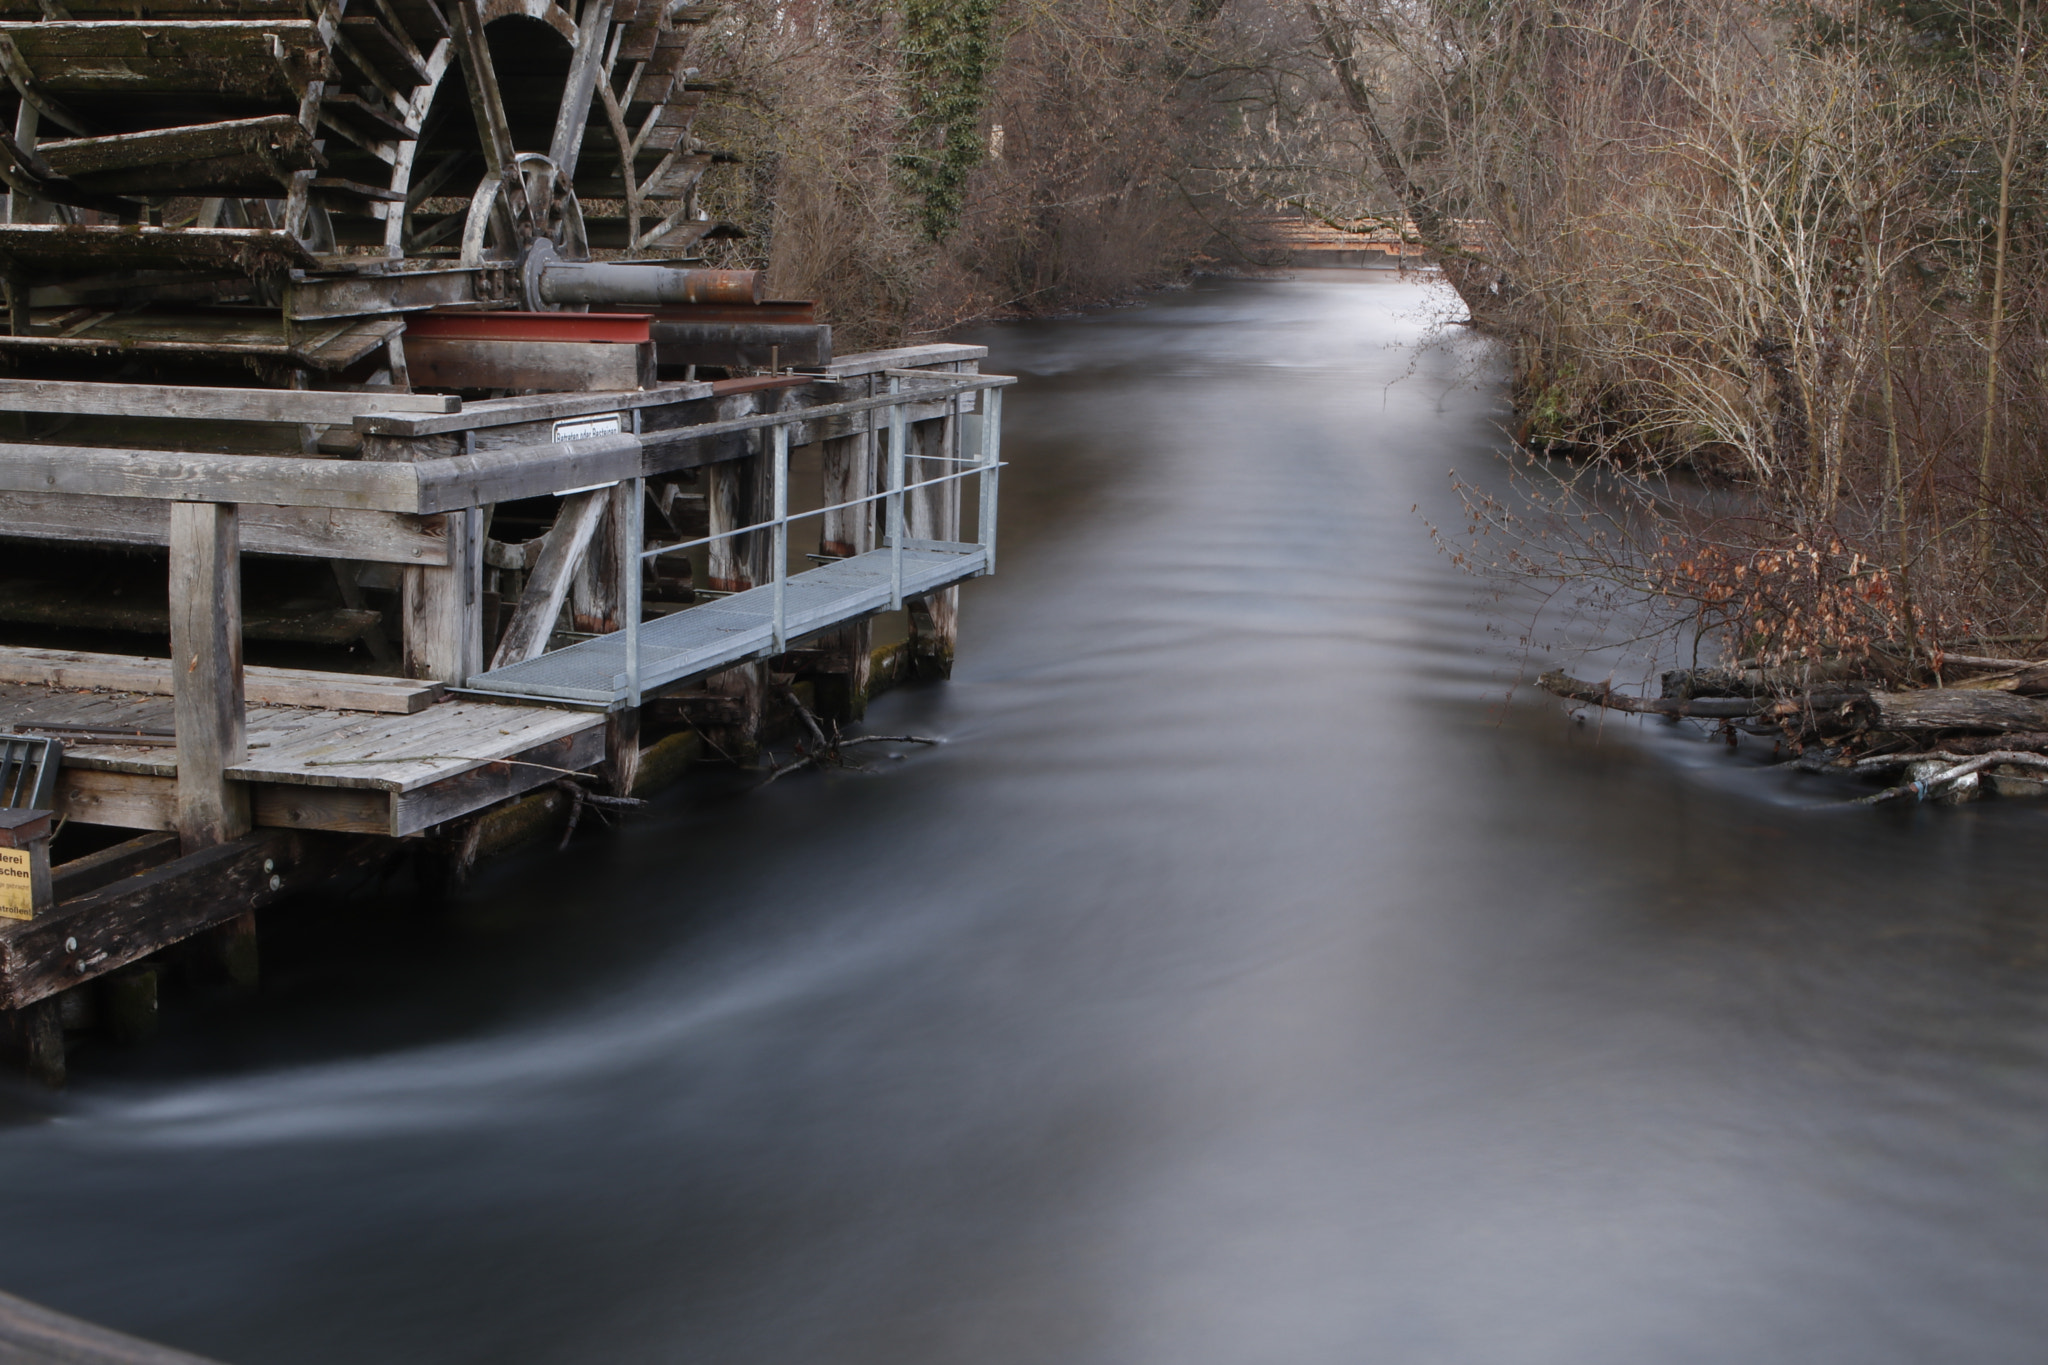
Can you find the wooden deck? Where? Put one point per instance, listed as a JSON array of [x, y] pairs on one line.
[[316, 768]]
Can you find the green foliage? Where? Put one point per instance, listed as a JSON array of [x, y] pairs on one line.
[[949, 54]]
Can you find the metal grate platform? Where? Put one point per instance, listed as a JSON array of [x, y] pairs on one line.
[[731, 630]]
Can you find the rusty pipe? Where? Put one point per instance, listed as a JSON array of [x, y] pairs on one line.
[[647, 286]]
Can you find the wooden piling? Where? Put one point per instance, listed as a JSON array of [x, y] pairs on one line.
[[738, 494], [934, 514], [32, 1040], [206, 673], [850, 473], [128, 1003], [232, 948]]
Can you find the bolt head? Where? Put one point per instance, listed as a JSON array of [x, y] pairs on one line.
[[70, 945], [270, 865], [276, 882]]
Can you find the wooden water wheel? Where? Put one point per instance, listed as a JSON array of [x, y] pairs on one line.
[[270, 185]]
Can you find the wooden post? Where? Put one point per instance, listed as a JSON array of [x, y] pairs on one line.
[[604, 593], [934, 514], [24, 864], [232, 948], [444, 606], [206, 672], [738, 494], [32, 1038], [128, 1003], [849, 474]]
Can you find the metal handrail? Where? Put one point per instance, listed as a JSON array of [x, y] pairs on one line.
[[896, 401]]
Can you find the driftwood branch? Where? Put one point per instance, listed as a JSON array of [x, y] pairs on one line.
[[824, 750], [1603, 694]]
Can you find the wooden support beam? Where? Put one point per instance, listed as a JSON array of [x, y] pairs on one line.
[[308, 532], [110, 865], [206, 674], [214, 404], [443, 607], [126, 921], [549, 583], [260, 686]]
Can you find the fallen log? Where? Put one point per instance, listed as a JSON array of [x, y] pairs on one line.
[[1564, 685], [1953, 708]]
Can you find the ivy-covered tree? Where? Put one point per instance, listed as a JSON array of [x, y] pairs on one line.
[[949, 54]]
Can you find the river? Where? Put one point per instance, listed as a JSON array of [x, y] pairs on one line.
[[1241, 981]]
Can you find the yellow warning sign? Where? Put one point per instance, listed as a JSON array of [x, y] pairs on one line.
[[17, 885]]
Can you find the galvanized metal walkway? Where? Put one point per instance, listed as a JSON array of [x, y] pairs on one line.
[[731, 630]]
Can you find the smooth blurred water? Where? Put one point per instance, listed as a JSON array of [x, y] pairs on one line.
[[1241, 982]]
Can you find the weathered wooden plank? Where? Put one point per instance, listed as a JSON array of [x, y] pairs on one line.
[[256, 60], [206, 681], [901, 358], [549, 582], [471, 791], [400, 754], [239, 156], [263, 686], [69, 250], [529, 472], [278, 481], [123, 800], [535, 407], [215, 404], [308, 532], [338, 810], [573, 366]]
